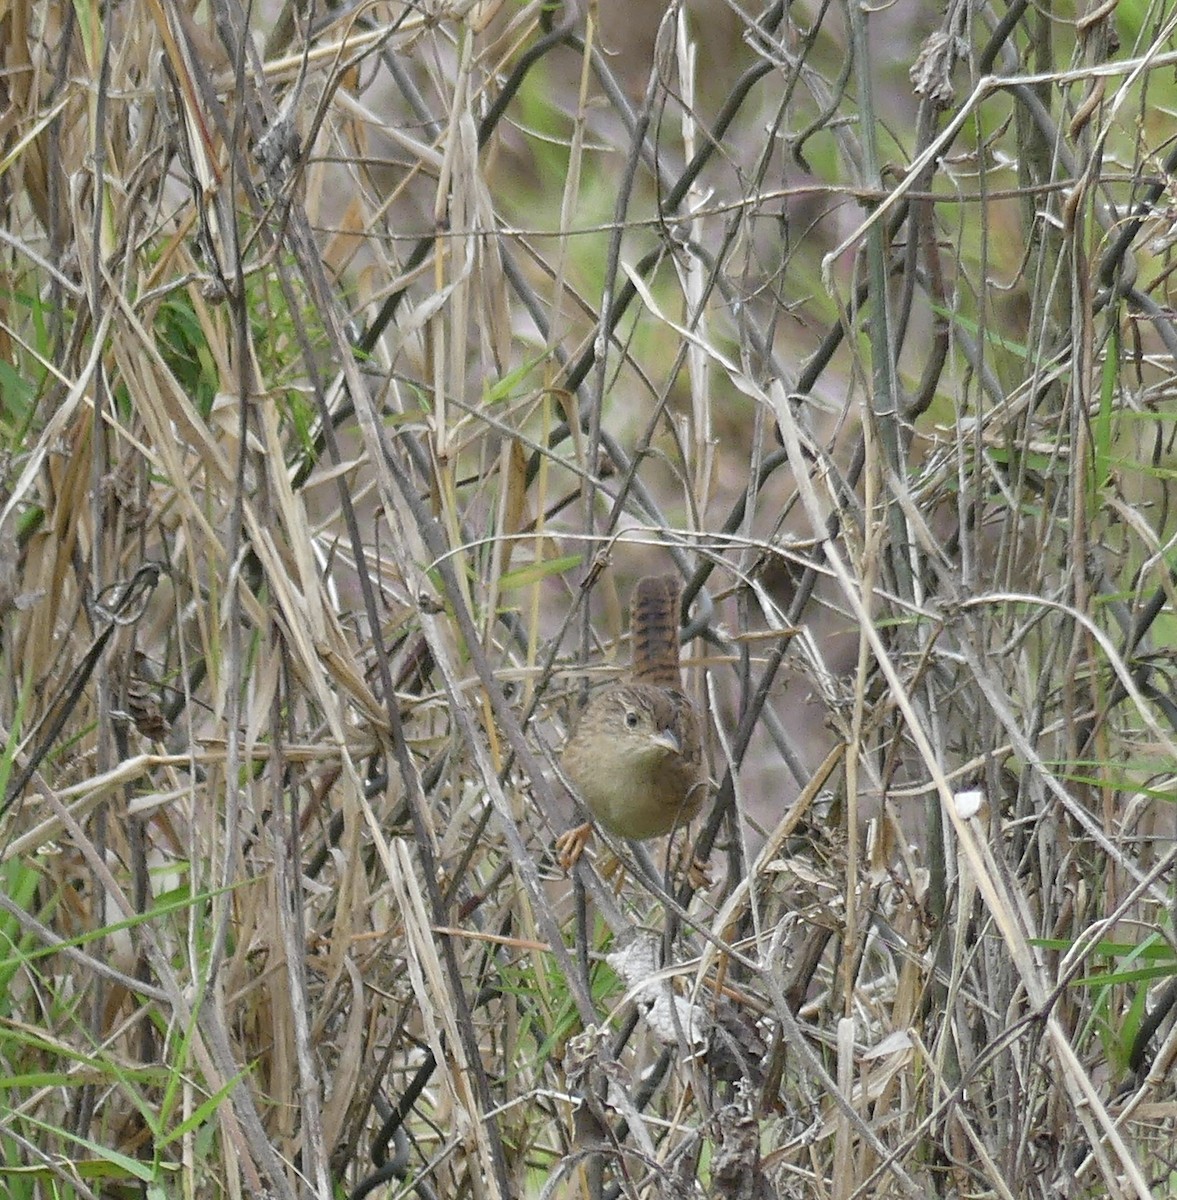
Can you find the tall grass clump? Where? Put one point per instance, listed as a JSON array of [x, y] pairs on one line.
[[354, 363]]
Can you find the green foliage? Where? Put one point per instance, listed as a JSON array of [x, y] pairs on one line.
[[182, 343], [23, 379]]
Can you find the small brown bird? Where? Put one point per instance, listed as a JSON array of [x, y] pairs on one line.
[[636, 755]]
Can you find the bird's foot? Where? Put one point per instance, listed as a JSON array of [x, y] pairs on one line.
[[570, 846], [699, 874]]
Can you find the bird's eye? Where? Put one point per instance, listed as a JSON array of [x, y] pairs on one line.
[[631, 719]]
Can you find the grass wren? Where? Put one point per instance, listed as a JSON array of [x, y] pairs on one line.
[[636, 754]]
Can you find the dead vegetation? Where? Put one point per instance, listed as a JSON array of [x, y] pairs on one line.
[[355, 361]]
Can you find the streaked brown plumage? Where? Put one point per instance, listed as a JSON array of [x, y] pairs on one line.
[[636, 754]]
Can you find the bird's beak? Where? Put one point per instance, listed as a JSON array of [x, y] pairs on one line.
[[667, 740]]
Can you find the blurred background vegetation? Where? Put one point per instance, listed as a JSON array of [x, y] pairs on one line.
[[354, 362]]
